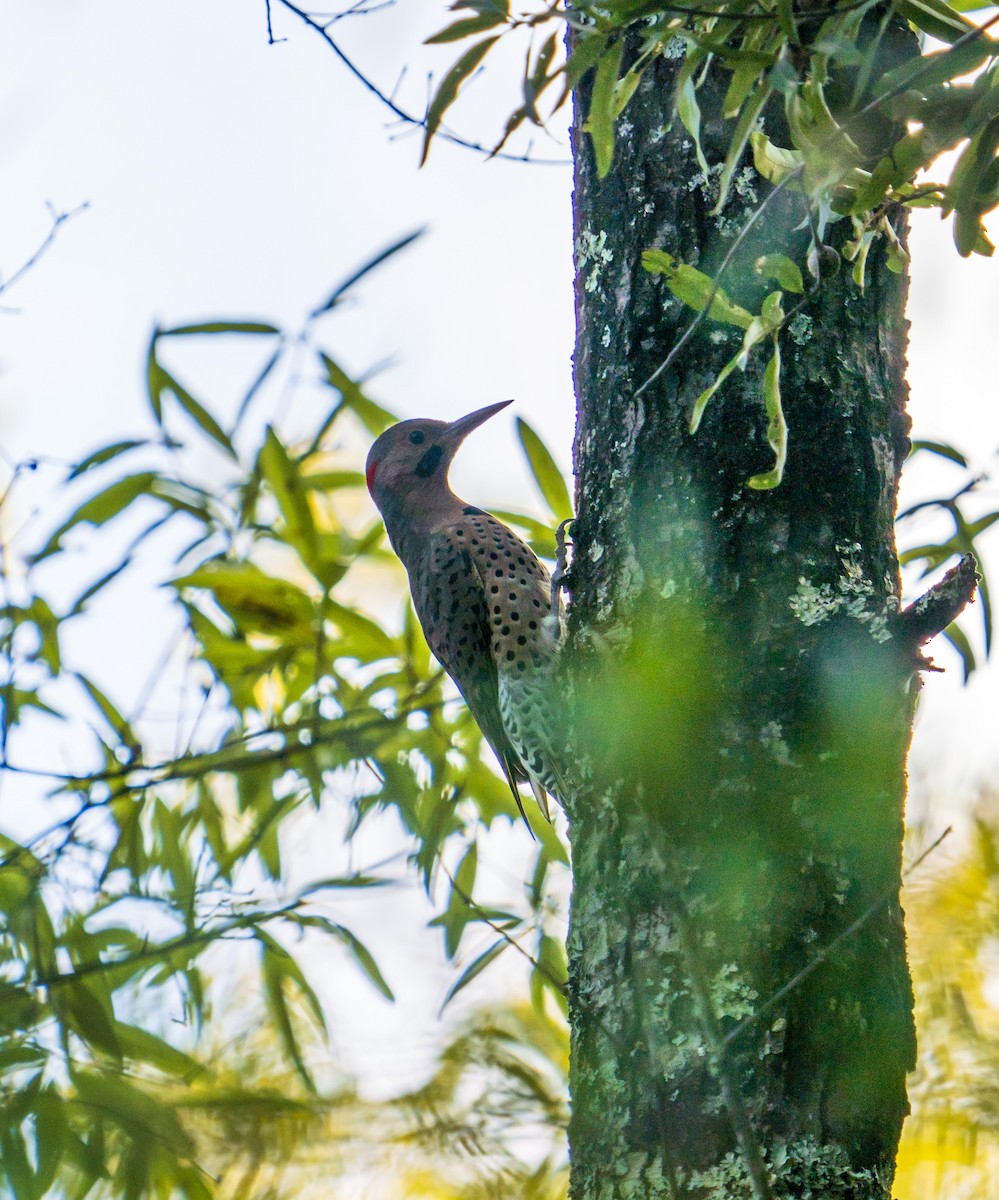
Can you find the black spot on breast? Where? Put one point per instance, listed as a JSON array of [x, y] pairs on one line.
[[429, 462], [466, 558], [471, 511]]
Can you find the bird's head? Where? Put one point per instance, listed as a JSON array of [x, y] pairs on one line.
[[414, 456]]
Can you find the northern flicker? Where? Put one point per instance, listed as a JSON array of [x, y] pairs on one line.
[[482, 596]]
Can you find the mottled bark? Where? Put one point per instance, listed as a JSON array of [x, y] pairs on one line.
[[744, 699]]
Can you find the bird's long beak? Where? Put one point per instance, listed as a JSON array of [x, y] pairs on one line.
[[460, 429]]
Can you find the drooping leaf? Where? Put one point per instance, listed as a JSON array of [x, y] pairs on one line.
[[776, 425], [450, 85], [251, 327], [599, 123], [546, 474], [372, 416]]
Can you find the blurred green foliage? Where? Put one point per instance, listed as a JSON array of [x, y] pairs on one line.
[[311, 686]]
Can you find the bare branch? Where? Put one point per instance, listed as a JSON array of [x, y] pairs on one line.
[[58, 219], [406, 118], [943, 603]]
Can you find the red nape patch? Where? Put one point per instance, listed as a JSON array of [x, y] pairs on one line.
[[370, 475]]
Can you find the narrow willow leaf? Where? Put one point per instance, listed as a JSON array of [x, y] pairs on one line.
[[782, 270], [466, 27], [272, 966], [105, 454], [546, 474], [283, 476], [143, 1046], [751, 112], [694, 288], [250, 327], [776, 425], [447, 93], [197, 412], [473, 970], [101, 508], [587, 50], [599, 123], [687, 106], [744, 79], [943, 449], [252, 598], [959, 640], [372, 416], [341, 289], [154, 380], [81, 1005], [365, 960], [935, 17], [767, 322], [773, 162], [109, 711]]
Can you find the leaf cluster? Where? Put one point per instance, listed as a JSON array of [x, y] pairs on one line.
[[154, 860]]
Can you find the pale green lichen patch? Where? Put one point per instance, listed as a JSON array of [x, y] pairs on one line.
[[802, 1168], [772, 740], [854, 595], [731, 996], [801, 329], [592, 255]]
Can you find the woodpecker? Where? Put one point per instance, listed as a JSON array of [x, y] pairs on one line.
[[481, 595]]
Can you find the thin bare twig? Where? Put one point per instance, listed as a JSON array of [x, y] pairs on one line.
[[405, 117], [58, 220]]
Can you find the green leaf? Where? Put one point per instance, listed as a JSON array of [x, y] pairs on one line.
[[935, 17], [473, 970], [599, 123], [686, 103], [447, 93], [86, 1008], [109, 712], [283, 476], [780, 268], [101, 508], [251, 598], [694, 288], [273, 961], [466, 27], [363, 638], [546, 474], [342, 288], [133, 1109], [752, 110], [105, 454], [365, 960], [943, 449], [773, 162], [372, 416], [767, 322], [958, 639], [251, 327], [776, 425], [197, 412], [142, 1046]]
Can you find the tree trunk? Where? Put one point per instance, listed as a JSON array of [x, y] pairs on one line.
[[743, 706]]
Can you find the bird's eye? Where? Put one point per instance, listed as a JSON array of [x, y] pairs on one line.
[[417, 437]]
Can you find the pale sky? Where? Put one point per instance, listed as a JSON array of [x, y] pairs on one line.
[[230, 178]]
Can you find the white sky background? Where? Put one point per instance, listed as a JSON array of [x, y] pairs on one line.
[[230, 178]]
